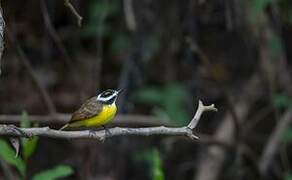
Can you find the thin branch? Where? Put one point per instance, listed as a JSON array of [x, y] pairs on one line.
[[213, 157], [87, 134], [73, 10], [129, 15], [10, 130], [54, 35], [199, 112], [2, 26]]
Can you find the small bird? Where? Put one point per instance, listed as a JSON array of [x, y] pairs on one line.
[[96, 111]]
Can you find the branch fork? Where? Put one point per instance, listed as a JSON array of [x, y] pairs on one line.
[[101, 135]]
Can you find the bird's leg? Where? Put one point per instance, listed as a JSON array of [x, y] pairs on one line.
[[92, 133], [107, 131]]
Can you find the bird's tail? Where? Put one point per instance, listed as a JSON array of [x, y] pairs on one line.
[[64, 127]]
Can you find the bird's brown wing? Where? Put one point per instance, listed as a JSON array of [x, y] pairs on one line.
[[89, 109]]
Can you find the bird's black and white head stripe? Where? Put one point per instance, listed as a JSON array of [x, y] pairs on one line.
[[109, 96]]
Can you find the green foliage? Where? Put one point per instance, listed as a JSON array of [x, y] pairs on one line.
[[98, 13], [288, 176], [157, 172], [171, 100], [152, 158], [28, 148], [282, 101], [260, 5], [102, 8], [275, 45], [257, 7], [286, 11], [121, 42], [54, 173], [24, 120], [287, 136], [28, 145], [8, 155]]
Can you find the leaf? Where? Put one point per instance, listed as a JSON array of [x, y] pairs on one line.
[[7, 154], [152, 158], [157, 172], [24, 120], [54, 173], [29, 147]]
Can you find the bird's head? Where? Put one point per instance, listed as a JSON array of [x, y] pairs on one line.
[[108, 96]]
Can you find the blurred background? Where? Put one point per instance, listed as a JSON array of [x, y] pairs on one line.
[[165, 55]]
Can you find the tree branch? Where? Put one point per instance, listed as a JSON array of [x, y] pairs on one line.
[[11, 130], [74, 11]]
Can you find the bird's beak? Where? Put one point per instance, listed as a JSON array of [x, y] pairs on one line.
[[118, 91]]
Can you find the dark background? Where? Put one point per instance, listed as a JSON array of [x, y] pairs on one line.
[[165, 55]]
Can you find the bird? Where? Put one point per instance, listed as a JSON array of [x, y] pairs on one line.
[[96, 111]]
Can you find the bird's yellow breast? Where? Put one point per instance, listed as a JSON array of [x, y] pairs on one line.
[[105, 116]]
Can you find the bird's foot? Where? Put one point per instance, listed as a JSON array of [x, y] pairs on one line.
[[92, 133], [107, 131]]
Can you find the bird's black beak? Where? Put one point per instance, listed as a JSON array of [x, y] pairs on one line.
[[119, 91]]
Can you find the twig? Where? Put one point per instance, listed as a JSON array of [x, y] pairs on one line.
[[199, 113], [52, 32], [214, 156], [73, 10], [206, 61], [9, 130], [129, 15], [2, 26]]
